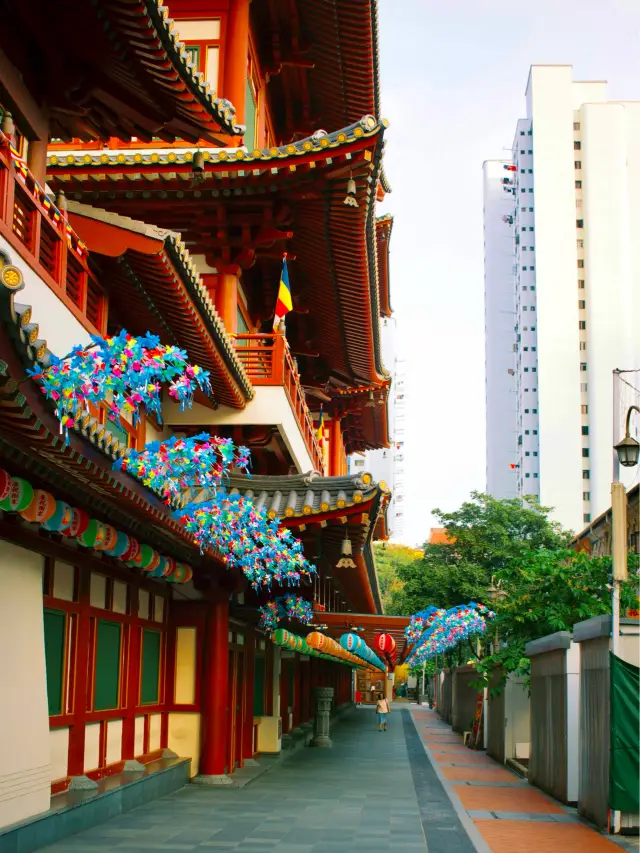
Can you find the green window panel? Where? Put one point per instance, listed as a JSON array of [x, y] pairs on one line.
[[150, 679], [55, 623], [258, 688], [250, 117], [108, 653]]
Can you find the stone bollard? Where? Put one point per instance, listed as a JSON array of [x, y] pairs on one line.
[[322, 698]]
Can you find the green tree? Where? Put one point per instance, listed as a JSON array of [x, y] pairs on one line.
[[486, 536], [547, 591], [389, 558]]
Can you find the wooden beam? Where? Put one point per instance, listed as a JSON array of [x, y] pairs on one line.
[[28, 116]]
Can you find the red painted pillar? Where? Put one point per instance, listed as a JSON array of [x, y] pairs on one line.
[[284, 694], [248, 687], [237, 57], [213, 722]]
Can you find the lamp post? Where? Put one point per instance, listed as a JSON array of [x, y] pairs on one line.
[[626, 453], [496, 593]]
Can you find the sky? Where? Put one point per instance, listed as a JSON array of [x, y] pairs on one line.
[[453, 75]]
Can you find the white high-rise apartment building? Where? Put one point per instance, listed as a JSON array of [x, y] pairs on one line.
[[573, 187]]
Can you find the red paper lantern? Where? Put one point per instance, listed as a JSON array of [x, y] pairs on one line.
[[385, 644], [5, 484], [79, 523]]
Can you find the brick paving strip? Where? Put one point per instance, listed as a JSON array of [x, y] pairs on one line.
[[507, 814]]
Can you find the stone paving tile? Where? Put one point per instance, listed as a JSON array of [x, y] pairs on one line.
[[524, 837], [478, 774], [526, 800]]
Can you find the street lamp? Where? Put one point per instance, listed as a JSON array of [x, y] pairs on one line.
[[628, 449], [496, 593]]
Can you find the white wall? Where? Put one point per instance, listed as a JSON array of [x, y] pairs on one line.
[[499, 321], [550, 103], [58, 327], [25, 768], [269, 406]]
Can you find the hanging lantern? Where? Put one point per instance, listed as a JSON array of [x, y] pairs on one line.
[[119, 547], [19, 497], [371, 401], [350, 199], [61, 518], [198, 163], [346, 561], [41, 507], [5, 484], [79, 523]]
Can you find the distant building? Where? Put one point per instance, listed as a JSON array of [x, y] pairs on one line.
[[573, 219], [438, 536]]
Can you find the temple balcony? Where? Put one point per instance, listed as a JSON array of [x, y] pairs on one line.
[[278, 410], [35, 237]]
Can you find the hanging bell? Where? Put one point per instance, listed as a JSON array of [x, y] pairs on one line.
[[371, 401], [351, 193], [346, 562], [198, 162]]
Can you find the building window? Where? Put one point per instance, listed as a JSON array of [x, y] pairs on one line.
[[579, 223], [531, 228], [526, 432], [522, 150], [530, 189], [150, 675], [584, 409], [530, 210], [524, 307], [526, 411], [535, 411], [532, 268], [523, 171], [578, 185], [586, 517], [530, 171], [530, 133], [522, 133], [583, 346], [582, 324], [582, 303], [577, 164], [581, 283], [535, 452], [107, 665], [535, 432], [585, 452], [576, 125], [586, 474], [527, 453], [584, 387], [585, 430], [580, 263], [580, 244], [527, 474], [55, 632], [586, 496], [576, 145], [533, 328], [583, 365]]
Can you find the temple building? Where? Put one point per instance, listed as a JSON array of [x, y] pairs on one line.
[[159, 175]]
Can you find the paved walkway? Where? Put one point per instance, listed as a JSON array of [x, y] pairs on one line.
[[372, 793], [508, 814]]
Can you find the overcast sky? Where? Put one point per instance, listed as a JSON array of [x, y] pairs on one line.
[[453, 79]]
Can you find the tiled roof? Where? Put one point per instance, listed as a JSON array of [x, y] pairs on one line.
[[320, 141], [230, 381], [301, 495]]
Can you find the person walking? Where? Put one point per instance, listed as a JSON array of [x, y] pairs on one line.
[[382, 709]]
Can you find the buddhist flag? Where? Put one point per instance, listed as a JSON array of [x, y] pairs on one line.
[[320, 431], [283, 303]]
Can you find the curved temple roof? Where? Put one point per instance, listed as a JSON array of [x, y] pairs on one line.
[[336, 268], [115, 68]]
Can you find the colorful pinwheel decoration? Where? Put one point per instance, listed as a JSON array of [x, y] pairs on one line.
[[180, 469], [246, 537], [289, 608], [123, 373], [436, 631]]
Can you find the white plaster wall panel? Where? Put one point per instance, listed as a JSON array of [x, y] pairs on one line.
[[91, 747], [25, 771], [558, 363], [138, 743], [98, 591], [608, 267], [57, 324], [63, 581], [184, 737], [158, 608], [143, 604], [269, 406], [114, 741], [59, 753], [119, 597], [155, 725], [500, 384]]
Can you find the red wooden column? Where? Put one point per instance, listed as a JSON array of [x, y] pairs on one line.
[[297, 702], [284, 694], [248, 687], [133, 677], [213, 722], [237, 57], [305, 691], [82, 675]]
